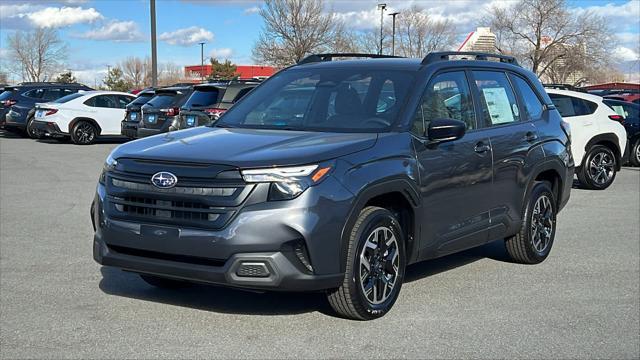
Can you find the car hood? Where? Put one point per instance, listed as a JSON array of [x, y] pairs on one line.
[[245, 148]]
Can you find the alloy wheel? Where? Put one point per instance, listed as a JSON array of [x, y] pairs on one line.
[[542, 224], [637, 154], [601, 168], [85, 133], [379, 264]]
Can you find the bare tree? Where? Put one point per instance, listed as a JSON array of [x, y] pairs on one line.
[[170, 73], [293, 29], [37, 54], [136, 71], [418, 34], [552, 40]]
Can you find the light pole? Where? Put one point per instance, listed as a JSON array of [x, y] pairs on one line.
[[393, 37], [202, 61], [382, 8], [154, 52]]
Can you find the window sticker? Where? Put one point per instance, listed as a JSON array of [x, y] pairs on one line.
[[498, 105], [514, 107]]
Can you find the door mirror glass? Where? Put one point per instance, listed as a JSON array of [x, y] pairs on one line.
[[443, 130]]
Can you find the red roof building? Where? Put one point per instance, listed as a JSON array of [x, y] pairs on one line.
[[243, 71], [614, 85]]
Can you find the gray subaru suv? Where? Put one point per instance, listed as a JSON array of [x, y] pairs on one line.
[[333, 176]]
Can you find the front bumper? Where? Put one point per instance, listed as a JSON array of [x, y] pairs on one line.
[[264, 234], [47, 129]]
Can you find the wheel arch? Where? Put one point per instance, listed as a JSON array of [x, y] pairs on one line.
[[611, 141], [90, 120], [551, 171], [397, 195]]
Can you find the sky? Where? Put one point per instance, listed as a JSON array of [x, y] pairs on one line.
[[103, 32]]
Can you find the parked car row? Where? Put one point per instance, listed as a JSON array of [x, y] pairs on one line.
[[76, 112]]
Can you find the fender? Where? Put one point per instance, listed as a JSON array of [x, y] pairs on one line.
[[607, 137], [549, 164], [93, 122], [381, 187]]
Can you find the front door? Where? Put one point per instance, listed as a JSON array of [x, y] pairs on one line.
[[455, 177]]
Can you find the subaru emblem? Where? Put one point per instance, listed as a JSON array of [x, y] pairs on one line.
[[164, 180]]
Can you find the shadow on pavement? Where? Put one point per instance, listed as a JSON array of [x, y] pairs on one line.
[[231, 301]]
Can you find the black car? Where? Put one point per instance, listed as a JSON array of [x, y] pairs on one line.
[[133, 115], [17, 103], [630, 113], [209, 101], [385, 162], [161, 113]]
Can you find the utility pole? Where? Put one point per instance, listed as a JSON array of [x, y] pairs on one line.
[[202, 61], [393, 37], [154, 52], [382, 8]]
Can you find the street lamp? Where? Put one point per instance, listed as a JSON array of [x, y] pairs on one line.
[[202, 61], [154, 52], [393, 37], [382, 8]]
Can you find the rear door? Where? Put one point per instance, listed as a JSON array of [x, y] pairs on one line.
[[107, 112], [455, 177], [510, 127]]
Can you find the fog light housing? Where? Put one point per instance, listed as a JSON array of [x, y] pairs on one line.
[[256, 269]]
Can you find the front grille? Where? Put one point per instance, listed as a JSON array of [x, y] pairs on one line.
[[178, 210], [205, 196]]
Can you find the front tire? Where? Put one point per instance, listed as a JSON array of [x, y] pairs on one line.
[[532, 244], [84, 133], [598, 169], [374, 269], [635, 153]]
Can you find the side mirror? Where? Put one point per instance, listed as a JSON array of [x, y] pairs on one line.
[[443, 130]]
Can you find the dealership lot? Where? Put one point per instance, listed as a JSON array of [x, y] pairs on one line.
[[55, 301]]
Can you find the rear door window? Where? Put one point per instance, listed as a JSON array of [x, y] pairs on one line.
[[52, 94], [569, 106], [498, 101], [102, 101], [34, 94], [532, 103]]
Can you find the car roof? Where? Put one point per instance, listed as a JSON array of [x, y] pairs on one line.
[[382, 64], [581, 95]]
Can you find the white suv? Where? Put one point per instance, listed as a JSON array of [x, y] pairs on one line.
[[83, 116], [598, 139]]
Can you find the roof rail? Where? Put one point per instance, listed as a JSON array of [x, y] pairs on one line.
[[444, 56], [49, 83], [328, 57]]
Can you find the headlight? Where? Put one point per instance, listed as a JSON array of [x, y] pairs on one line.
[[287, 182], [109, 164]]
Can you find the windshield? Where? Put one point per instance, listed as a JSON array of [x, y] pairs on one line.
[[202, 97], [142, 99], [341, 100], [6, 95], [161, 100], [68, 98]]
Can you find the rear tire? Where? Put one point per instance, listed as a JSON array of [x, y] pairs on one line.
[[30, 130], [163, 283], [84, 133], [634, 156], [374, 268], [532, 244], [598, 168]]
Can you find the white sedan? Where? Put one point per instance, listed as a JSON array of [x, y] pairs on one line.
[[83, 116], [598, 139]]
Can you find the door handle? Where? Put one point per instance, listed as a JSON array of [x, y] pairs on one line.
[[531, 136], [482, 147]]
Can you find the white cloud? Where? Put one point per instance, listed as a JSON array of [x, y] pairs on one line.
[[123, 31], [221, 53], [252, 10], [625, 54], [64, 16], [187, 37]]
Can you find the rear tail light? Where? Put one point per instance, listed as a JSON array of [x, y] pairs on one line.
[[618, 118], [215, 113], [8, 103], [50, 112], [171, 111]]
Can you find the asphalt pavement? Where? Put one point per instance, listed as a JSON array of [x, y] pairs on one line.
[[56, 302]]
